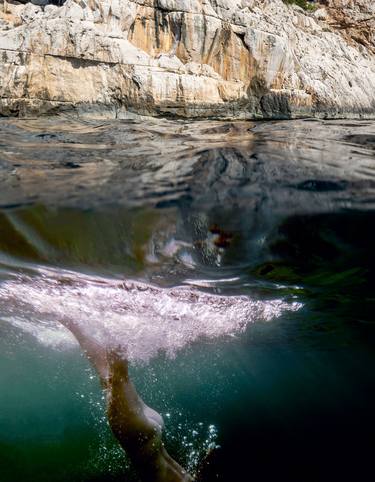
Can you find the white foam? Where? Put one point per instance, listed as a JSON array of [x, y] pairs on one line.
[[144, 319]]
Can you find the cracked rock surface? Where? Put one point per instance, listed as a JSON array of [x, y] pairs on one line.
[[188, 58]]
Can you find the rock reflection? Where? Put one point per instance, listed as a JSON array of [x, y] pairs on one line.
[[159, 162]]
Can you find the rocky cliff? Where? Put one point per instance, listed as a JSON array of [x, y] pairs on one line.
[[191, 58]]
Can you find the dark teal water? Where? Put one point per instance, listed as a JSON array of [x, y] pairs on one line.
[[275, 218]]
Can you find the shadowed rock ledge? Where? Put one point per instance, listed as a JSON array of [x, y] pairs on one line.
[[188, 58]]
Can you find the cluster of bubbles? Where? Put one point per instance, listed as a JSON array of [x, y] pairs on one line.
[[195, 439]]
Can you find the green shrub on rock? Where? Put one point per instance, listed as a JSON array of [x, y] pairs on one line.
[[305, 4]]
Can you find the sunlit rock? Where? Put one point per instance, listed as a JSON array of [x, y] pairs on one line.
[[227, 58]]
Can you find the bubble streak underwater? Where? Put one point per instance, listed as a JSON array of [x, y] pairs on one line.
[[142, 318]]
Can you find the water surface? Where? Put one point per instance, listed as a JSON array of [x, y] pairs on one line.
[[235, 263]]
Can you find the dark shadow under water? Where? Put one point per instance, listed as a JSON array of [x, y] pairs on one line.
[[280, 213]]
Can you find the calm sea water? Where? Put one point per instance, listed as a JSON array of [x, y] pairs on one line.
[[234, 261]]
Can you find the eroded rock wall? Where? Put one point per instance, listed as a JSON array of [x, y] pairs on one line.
[[192, 58]]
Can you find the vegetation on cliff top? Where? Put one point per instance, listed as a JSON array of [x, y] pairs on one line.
[[305, 4]]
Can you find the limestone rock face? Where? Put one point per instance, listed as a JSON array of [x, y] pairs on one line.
[[191, 58]]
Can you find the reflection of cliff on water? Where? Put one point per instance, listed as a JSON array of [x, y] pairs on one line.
[[299, 165]]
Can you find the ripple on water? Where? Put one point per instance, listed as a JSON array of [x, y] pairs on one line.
[[156, 162]]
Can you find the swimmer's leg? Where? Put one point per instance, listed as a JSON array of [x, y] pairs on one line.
[[95, 351], [137, 427]]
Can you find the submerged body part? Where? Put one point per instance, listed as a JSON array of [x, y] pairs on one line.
[[137, 427]]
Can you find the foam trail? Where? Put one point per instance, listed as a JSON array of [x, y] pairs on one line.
[[141, 318]]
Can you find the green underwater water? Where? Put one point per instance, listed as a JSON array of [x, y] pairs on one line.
[[269, 211]]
